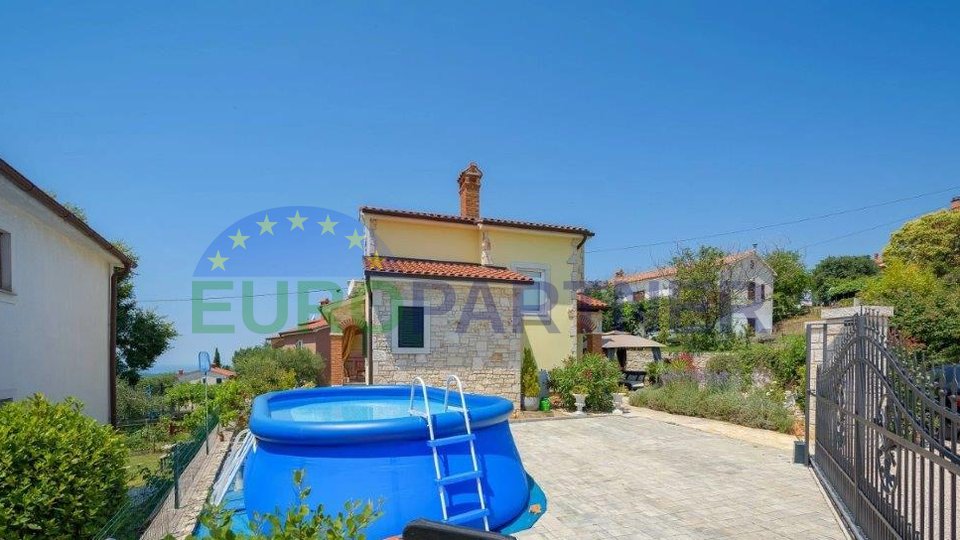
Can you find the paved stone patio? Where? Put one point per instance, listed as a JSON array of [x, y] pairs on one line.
[[640, 477]]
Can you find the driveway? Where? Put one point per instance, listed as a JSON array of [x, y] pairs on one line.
[[638, 477]]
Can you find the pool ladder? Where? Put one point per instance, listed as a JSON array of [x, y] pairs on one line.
[[242, 444], [434, 443]]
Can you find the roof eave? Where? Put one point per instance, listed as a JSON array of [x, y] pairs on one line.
[[489, 222], [46, 200], [401, 275]]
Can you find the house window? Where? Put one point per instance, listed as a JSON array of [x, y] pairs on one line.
[[763, 292], [6, 262], [752, 290], [534, 297], [752, 323], [219, 380], [410, 334], [639, 296], [299, 344]]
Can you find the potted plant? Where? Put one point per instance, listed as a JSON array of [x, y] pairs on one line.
[[619, 397], [529, 381], [579, 393], [619, 400]]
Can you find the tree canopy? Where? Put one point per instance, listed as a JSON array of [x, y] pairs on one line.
[[843, 273], [304, 365], [701, 299], [931, 241], [920, 281], [792, 283], [142, 334]]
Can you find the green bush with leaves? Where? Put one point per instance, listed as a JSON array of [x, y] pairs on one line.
[[297, 522], [785, 359], [758, 408], [305, 365], [592, 373], [529, 375], [62, 474]]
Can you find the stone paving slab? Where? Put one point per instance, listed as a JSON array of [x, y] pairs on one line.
[[639, 477]]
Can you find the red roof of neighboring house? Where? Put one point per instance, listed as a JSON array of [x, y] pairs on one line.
[[479, 221], [303, 328], [672, 270], [589, 303], [441, 269], [223, 371]]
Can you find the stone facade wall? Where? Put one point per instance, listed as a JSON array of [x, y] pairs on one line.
[[576, 276], [637, 359], [487, 359]]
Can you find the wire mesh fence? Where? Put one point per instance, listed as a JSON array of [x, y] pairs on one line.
[[150, 509]]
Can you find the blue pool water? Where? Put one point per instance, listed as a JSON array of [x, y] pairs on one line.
[[352, 410], [361, 443]]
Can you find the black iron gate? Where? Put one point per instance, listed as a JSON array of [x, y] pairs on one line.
[[887, 429]]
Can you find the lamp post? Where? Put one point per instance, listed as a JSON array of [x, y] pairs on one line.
[[203, 360]]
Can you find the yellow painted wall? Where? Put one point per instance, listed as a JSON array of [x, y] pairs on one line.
[[550, 346], [440, 241], [422, 240]]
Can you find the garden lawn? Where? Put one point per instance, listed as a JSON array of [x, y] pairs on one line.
[[135, 462]]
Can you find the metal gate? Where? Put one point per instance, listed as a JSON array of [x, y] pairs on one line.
[[887, 426]]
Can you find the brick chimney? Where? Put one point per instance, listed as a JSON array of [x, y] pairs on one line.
[[955, 204], [470, 191]]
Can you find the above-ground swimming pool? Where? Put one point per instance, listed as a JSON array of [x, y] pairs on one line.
[[362, 442]]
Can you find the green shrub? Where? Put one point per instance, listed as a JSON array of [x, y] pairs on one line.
[[595, 374], [785, 359], [789, 367], [529, 375], [62, 474], [297, 522], [148, 438], [306, 366], [759, 408]]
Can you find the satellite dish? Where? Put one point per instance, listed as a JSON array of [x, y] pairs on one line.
[[203, 359]]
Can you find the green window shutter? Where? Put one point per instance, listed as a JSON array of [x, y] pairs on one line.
[[410, 329]]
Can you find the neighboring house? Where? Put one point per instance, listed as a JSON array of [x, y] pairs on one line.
[[316, 337], [752, 289], [214, 376], [58, 280], [464, 294]]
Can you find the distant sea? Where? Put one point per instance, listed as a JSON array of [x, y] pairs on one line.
[[171, 368]]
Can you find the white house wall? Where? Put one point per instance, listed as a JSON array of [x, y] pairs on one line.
[[743, 309], [54, 328]]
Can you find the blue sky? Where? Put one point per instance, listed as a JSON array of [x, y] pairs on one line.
[[646, 122]]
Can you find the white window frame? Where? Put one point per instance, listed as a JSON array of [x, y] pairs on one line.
[[544, 270], [6, 262], [395, 337], [299, 344]]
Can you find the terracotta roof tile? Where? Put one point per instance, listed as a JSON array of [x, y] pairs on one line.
[[480, 221], [589, 303], [303, 328], [441, 269], [223, 371]]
